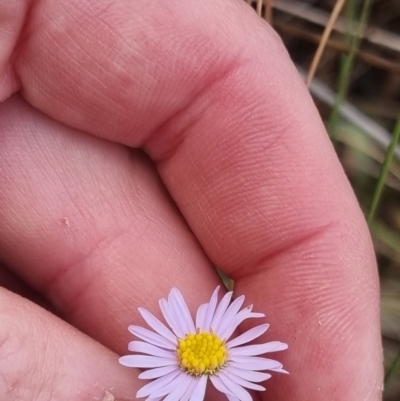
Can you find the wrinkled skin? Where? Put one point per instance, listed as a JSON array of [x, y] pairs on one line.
[[239, 173]]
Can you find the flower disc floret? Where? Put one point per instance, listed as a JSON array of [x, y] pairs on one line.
[[201, 353]]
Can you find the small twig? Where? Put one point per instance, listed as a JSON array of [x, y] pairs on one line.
[[268, 11], [259, 7], [376, 36], [369, 58], [324, 39]]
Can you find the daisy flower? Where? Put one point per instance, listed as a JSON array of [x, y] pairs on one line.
[[180, 359]]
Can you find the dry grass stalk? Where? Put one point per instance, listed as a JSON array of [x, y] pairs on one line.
[[324, 39]]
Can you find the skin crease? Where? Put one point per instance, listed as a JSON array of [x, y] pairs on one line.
[[240, 174]]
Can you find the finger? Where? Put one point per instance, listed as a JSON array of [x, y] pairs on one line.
[[88, 224], [10, 281], [12, 14], [245, 122], [137, 274], [42, 357], [144, 61]]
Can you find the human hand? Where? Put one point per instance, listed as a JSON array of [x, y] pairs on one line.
[[252, 186]]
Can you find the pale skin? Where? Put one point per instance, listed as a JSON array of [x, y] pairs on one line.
[[240, 174]]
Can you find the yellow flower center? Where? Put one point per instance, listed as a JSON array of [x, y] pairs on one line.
[[201, 353]]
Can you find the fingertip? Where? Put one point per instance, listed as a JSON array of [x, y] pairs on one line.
[[12, 18], [35, 344]]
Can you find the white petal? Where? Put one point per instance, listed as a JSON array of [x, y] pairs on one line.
[[200, 389], [151, 337], [170, 317], [179, 390], [248, 336], [229, 316], [254, 363], [185, 313], [146, 348], [240, 381], [158, 372], [180, 380], [155, 385], [240, 317], [235, 388], [190, 389], [154, 399], [221, 309], [144, 361], [258, 349], [220, 386], [201, 316], [157, 326], [249, 375], [211, 309]]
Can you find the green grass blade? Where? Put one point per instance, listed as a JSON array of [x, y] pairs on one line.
[[384, 171], [393, 369], [348, 61]]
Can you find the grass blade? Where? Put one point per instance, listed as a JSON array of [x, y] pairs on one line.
[[384, 171], [393, 369], [347, 64]]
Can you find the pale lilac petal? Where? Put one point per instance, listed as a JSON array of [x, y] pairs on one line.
[[248, 336], [241, 382], [221, 309], [190, 389], [235, 388], [151, 337], [226, 327], [281, 347], [158, 351], [170, 318], [175, 311], [211, 309], [146, 348], [158, 372], [200, 389], [249, 375], [178, 391], [240, 317], [280, 371], [220, 386], [258, 349], [150, 388], [254, 363], [157, 326], [200, 316], [229, 316], [185, 313], [180, 380], [144, 361]]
